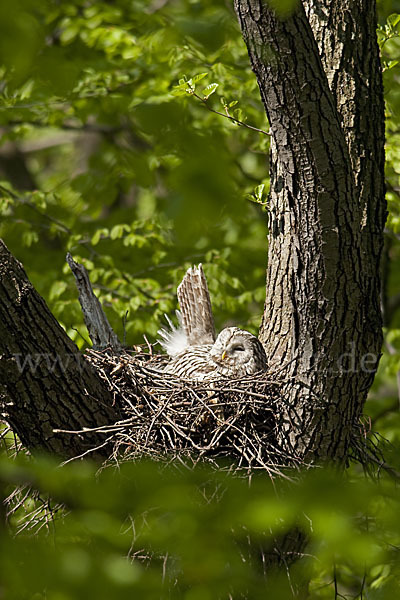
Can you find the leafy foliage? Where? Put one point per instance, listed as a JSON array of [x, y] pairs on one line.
[[196, 525], [134, 181]]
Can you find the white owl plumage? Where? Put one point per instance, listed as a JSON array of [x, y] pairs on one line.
[[196, 353]]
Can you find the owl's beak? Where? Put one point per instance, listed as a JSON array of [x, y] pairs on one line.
[[223, 355]]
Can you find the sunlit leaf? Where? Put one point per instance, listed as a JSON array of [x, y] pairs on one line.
[[210, 89]]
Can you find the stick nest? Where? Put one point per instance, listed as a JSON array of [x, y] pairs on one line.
[[229, 423]]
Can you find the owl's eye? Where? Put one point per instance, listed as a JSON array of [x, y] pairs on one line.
[[238, 348]]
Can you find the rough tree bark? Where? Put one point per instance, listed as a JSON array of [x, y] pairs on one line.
[[320, 80], [45, 382]]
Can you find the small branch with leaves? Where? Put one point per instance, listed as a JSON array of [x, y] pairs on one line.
[[188, 87]]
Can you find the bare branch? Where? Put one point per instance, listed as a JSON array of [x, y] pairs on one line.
[[100, 330]]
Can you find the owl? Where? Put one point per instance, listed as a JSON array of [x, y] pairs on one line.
[[195, 352]]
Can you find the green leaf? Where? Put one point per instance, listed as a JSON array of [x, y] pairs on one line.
[[184, 87], [29, 238], [210, 89], [118, 231], [98, 235], [57, 289], [258, 192], [179, 91], [199, 77], [39, 199], [69, 34], [393, 19], [26, 89], [238, 115]]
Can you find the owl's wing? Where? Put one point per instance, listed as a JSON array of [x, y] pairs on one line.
[[195, 305]]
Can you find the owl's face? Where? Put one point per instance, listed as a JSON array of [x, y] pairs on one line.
[[238, 353]]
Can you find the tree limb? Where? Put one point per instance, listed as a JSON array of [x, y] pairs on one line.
[[45, 382]]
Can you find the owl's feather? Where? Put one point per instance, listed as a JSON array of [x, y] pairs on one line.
[[173, 340], [195, 304]]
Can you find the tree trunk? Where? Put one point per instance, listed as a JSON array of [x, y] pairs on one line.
[[346, 36], [45, 382], [322, 318]]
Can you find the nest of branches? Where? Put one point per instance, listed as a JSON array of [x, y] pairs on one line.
[[229, 423]]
